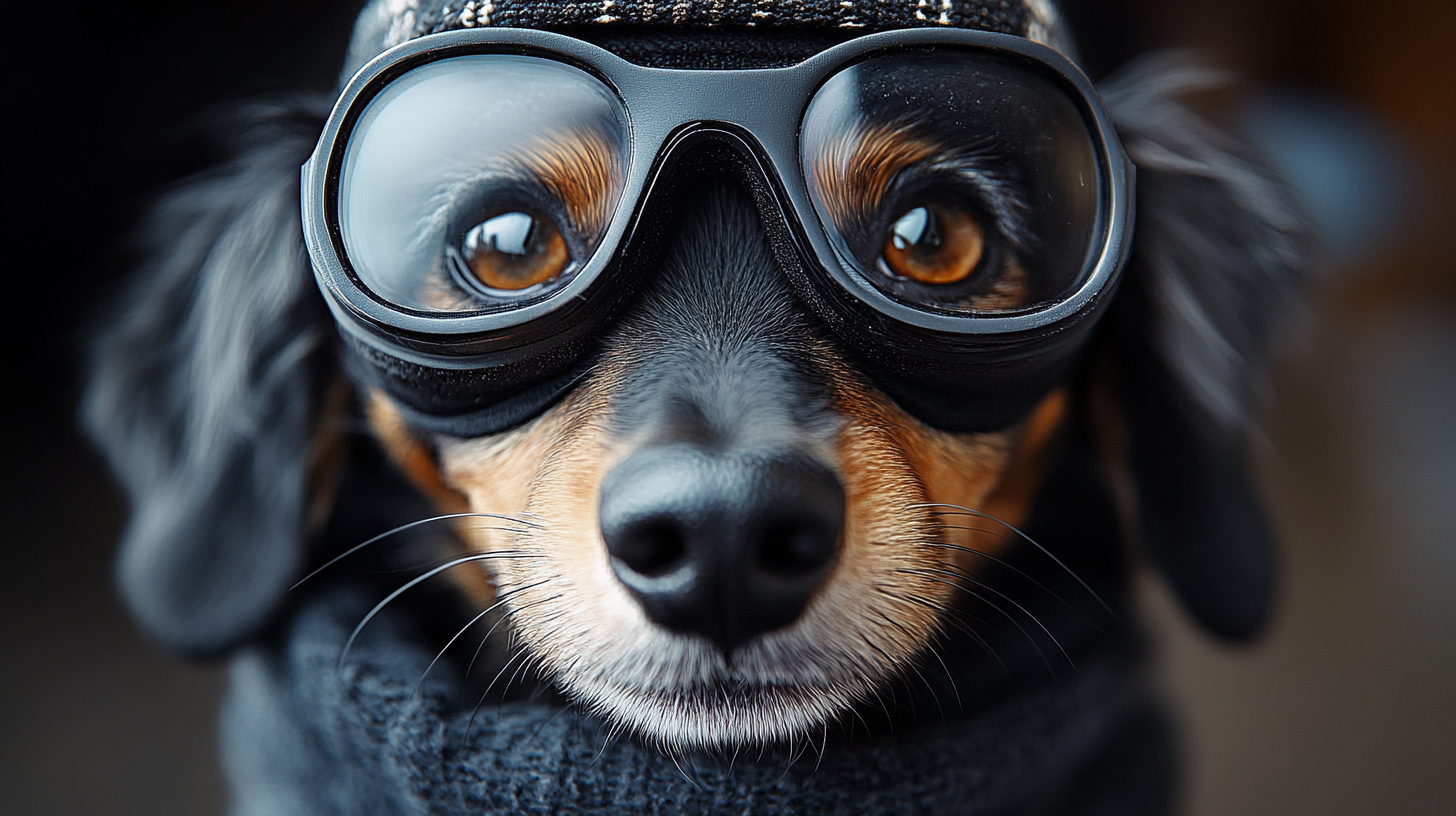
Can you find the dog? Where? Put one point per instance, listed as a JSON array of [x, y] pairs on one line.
[[721, 553]]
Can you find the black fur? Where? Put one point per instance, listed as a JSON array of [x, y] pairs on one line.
[[308, 736], [716, 344], [1221, 253], [206, 394]]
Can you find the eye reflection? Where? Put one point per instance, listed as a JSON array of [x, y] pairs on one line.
[[933, 244], [515, 250]]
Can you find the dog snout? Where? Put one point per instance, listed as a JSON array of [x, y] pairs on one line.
[[722, 545]]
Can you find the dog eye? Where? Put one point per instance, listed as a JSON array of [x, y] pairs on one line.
[[933, 244], [515, 250]]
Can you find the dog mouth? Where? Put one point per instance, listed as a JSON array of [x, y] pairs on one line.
[[703, 701], [647, 666], [599, 649], [722, 716]]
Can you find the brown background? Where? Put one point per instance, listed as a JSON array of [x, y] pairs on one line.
[[1347, 707]]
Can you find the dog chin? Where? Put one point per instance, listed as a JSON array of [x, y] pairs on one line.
[[718, 718], [684, 695]]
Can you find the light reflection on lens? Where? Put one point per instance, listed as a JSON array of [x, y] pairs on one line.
[[455, 143], [989, 151]]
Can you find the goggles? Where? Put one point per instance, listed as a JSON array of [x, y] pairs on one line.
[[953, 205]]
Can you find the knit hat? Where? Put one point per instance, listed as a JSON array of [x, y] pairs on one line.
[[731, 25]]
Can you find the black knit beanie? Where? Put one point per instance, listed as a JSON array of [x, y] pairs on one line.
[[703, 33]]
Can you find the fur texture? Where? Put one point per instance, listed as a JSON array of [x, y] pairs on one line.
[[206, 389], [1221, 255], [208, 395]]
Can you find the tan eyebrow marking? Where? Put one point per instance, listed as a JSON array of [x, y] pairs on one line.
[[583, 169], [854, 170]]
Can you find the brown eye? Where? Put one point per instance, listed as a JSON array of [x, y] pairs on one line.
[[934, 244], [515, 250]]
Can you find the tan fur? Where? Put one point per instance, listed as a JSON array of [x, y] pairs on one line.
[[853, 173], [1012, 499], [583, 171], [327, 453], [875, 613]]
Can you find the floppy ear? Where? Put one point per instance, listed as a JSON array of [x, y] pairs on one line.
[[204, 391], [1221, 250]]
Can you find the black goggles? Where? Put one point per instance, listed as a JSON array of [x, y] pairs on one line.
[[954, 205]]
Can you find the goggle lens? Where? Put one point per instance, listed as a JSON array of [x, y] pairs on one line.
[[965, 182], [478, 183]]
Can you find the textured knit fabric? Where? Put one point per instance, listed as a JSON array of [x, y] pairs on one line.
[[305, 733], [304, 736], [387, 23], [1004, 16]]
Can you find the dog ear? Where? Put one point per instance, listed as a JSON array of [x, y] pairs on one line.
[[1220, 253], [205, 389]]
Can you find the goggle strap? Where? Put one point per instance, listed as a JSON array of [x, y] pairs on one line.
[[462, 403]]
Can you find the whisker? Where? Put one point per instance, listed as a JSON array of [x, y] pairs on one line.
[[930, 573], [475, 711], [925, 680], [911, 665], [795, 754], [1000, 535], [953, 687], [1013, 528], [987, 601], [889, 718], [968, 576], [672, 755], [511, 644], [823, 745], [980, 640], [433, 561], [953, 617], [529, 658], [415, 582], [526, 665], [403, 527], [1024, 611], [854, 709], [505, 596], [486, 639], [1008, 565], [948, 614], [608, 738]]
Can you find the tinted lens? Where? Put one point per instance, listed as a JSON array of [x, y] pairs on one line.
[[480, 182], [954, 179]]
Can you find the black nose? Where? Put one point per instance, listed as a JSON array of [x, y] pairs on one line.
[[726, 546]]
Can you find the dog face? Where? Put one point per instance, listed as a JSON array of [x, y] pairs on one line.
[[733, 535], [726, 532]]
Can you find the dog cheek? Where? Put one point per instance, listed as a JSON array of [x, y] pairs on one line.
[[898, 471], [888, 546], [493, 476], [998, 474], [547, 474], [411, 453]]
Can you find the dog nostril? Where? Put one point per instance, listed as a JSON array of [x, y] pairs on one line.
[[793, 549], [651, 548], [722, 546]]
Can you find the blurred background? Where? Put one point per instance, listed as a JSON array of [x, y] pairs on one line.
[[1348, 706]]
